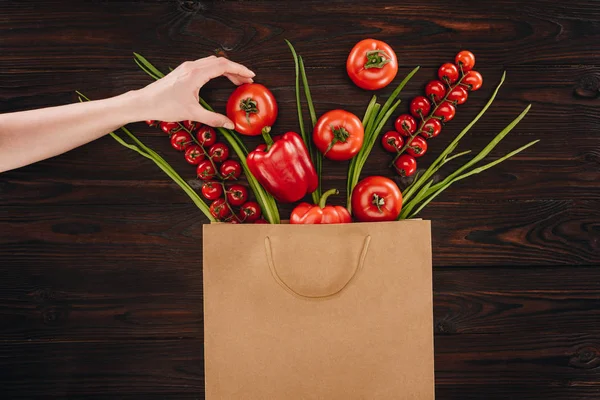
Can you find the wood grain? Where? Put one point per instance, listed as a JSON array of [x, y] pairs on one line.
[[101, 289]]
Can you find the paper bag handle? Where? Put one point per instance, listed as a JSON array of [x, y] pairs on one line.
[[277, 277]]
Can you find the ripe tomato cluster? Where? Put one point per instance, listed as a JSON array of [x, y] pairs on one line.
[[429, 113], [213, 166]]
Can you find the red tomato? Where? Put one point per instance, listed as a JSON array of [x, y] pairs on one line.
[[194, 154], [152, 122], [230, 170], [406, 125], [372, 64], [473, 80], [170, 127], [191, 125], [459, 94], [219, 209], [236, 195], [250, 212], [392, 141], [339, 135], [376, 198], [448, 73], [405, 165], [218, 152], [435, 90], [181, 140], [206, 136], [466, 59], [431, 128], [261, 221], [446, 110], [252, 107], [212, 190], [420, 107], [417, 147], [206, 170]]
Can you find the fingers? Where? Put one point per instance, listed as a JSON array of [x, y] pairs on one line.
[[210, 118], [238, 80], [215, 67]]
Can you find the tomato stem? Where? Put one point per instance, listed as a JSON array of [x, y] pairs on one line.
[[249, 106], [378, 202], [376, 59], [323, 200], [340, 135]]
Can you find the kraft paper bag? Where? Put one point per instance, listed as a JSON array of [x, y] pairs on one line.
[[330, 312]]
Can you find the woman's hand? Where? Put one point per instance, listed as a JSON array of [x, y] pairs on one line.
[[175, 96], [30, 136]]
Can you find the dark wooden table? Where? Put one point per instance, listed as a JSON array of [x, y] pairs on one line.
[[100, 253]]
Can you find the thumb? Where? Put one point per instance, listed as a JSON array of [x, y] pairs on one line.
[[213, 119]]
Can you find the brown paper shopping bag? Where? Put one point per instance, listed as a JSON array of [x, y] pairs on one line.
[[318, 311]]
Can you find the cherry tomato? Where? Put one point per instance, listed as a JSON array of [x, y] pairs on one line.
[[473, 79], [250, 211], [466, 59], [152, 122], [191, 125], [417, 147], [420, 107], [435, 90], [181, 140], [234, 220], [206, 136], [339, 135], [219, 152], [212, 190], [446, 110], [405, 165], [261, 221], [194, 154], [459, 94], [230, 170], [219, 209], [372, 64], [376, 198], [170, 127], [392, 141], [252, 107], [236, 195], [205, 170], [431, 128], [448, 73], [406, 125]]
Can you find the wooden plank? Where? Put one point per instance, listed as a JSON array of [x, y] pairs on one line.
[[475, 234], [125, 298], [512, 365]]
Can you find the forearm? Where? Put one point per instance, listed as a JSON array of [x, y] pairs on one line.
[[30, 136]]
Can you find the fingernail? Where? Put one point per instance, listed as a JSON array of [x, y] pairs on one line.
[[253, 74], [228, 125]]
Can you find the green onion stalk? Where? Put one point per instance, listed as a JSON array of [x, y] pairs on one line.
[[315, 154], [266, 201]]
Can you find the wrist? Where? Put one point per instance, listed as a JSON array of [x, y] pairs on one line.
[[126, 108]]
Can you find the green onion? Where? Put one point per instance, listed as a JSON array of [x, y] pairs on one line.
[[315, 155], [145, 151]]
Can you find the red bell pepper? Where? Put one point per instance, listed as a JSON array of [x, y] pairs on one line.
[[283, 167], [306, 213]]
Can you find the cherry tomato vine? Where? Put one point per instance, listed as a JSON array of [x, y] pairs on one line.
[[229, 202], [429, 113]]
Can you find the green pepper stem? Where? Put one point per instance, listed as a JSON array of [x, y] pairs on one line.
[[268, 139], [325, 195]]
